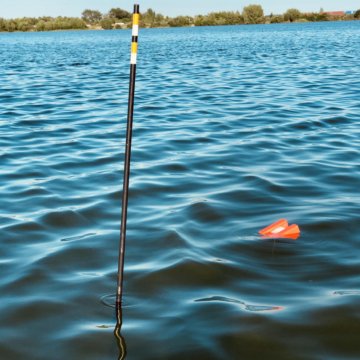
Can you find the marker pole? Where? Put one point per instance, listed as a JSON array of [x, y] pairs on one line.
[[125, 196]]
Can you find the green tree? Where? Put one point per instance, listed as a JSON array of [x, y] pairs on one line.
[[91, 16], [322, 17], [226, 18], [11, 25], [23, 25], [119, 14], [253, 14], [219, 18], [160, 20], [60, 23], [32, 21], [73, 23], [40, 26], [315, 16], [357, 14], [199, 20], [106, 24], [276, 19], [149, 17], [181, 21], [2, 24], [292, 15]]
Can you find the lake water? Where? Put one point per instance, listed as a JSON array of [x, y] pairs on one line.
[[235, 127]]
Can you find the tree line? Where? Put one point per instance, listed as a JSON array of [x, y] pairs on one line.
[[118, 18]]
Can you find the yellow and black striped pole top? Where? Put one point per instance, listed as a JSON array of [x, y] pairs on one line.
[[135, 34]]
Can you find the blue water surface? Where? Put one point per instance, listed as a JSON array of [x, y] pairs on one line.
[[235, 127]]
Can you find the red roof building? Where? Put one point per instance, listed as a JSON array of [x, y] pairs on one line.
[[335, 13]]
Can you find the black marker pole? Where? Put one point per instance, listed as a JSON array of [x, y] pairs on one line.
[[125, 196]]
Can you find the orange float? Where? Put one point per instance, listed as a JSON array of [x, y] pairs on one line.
[[281, 229]]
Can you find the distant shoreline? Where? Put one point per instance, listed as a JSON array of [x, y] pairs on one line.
[[164, 27], [118, 18]]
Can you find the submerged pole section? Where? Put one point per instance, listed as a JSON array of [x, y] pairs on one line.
[[125, 195]]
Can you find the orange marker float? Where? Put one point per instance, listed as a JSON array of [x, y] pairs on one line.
[[281, 229]]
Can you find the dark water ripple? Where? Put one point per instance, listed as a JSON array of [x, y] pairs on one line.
[[235, 127]]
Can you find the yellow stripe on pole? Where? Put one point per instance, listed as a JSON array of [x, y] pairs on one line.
[[136, 19], [135, 33], [134, 47]]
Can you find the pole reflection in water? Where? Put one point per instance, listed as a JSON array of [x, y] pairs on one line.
[[117, 332]]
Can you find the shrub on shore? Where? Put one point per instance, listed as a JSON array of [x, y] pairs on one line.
[[91, 16], [276, 19], [219, 18], [292, 15], [42, 24], [181, 21], [107, 23], [253, 14]]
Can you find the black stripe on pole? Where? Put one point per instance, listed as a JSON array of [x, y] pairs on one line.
[[125, 195]]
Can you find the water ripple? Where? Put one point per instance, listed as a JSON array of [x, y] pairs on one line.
[[247, 307], [235, 127]]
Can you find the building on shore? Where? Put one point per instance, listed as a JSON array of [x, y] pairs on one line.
[[335, 13]]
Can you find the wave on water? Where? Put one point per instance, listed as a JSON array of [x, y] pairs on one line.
[[235, 127]]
